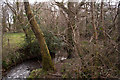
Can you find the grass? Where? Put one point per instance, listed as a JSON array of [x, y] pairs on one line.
[[9, 55], [15, 39]]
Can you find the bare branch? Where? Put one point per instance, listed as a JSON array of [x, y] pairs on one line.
[[62, 6]]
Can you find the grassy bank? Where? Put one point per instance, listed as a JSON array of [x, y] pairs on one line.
[[11, 42]]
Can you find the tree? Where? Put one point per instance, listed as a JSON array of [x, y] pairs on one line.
[[4, 24], [71, 10], [102, 18], [18, 15], [8, 19], [93, 20], [1, 41], [119, 35], [46, 58]]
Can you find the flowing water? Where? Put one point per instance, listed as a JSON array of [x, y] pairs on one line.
[[22, 70]]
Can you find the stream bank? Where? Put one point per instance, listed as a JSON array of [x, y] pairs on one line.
[[22, 70]]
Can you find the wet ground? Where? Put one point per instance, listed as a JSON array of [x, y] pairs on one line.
[[23, 70]]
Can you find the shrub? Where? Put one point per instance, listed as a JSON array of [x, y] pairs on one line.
[[32, 48], [4, 64]]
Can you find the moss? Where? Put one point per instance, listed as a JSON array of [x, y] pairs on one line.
[[38, 73], [47, 64], [64, 76], [46, 58], [35, 73]]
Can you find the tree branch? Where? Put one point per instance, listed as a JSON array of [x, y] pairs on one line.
[[79, 6], [13, 10], [62, 6]]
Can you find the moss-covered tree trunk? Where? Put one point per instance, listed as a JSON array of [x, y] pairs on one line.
[[46, 58]]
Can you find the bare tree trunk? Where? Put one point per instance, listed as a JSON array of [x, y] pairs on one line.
[[93, 21], [22, 21], [4, 19], [20, 17], [1, 47], [14, 22], [9, 28], [102, 18], [70, 26], [46, 58], [86, 16], [71, 11], [118, 36]]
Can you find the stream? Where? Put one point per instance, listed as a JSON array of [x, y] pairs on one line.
[[22, 70]]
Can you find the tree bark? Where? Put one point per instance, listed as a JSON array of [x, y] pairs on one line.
[[93, 21], [46, 58], [102, 18], [22, 21], [9, 28], [118, 36], [20, 17], [4, 19], [70, 26]]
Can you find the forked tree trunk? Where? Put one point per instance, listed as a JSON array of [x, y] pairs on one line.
[[20, 17], [70, 26], [46, 58]]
